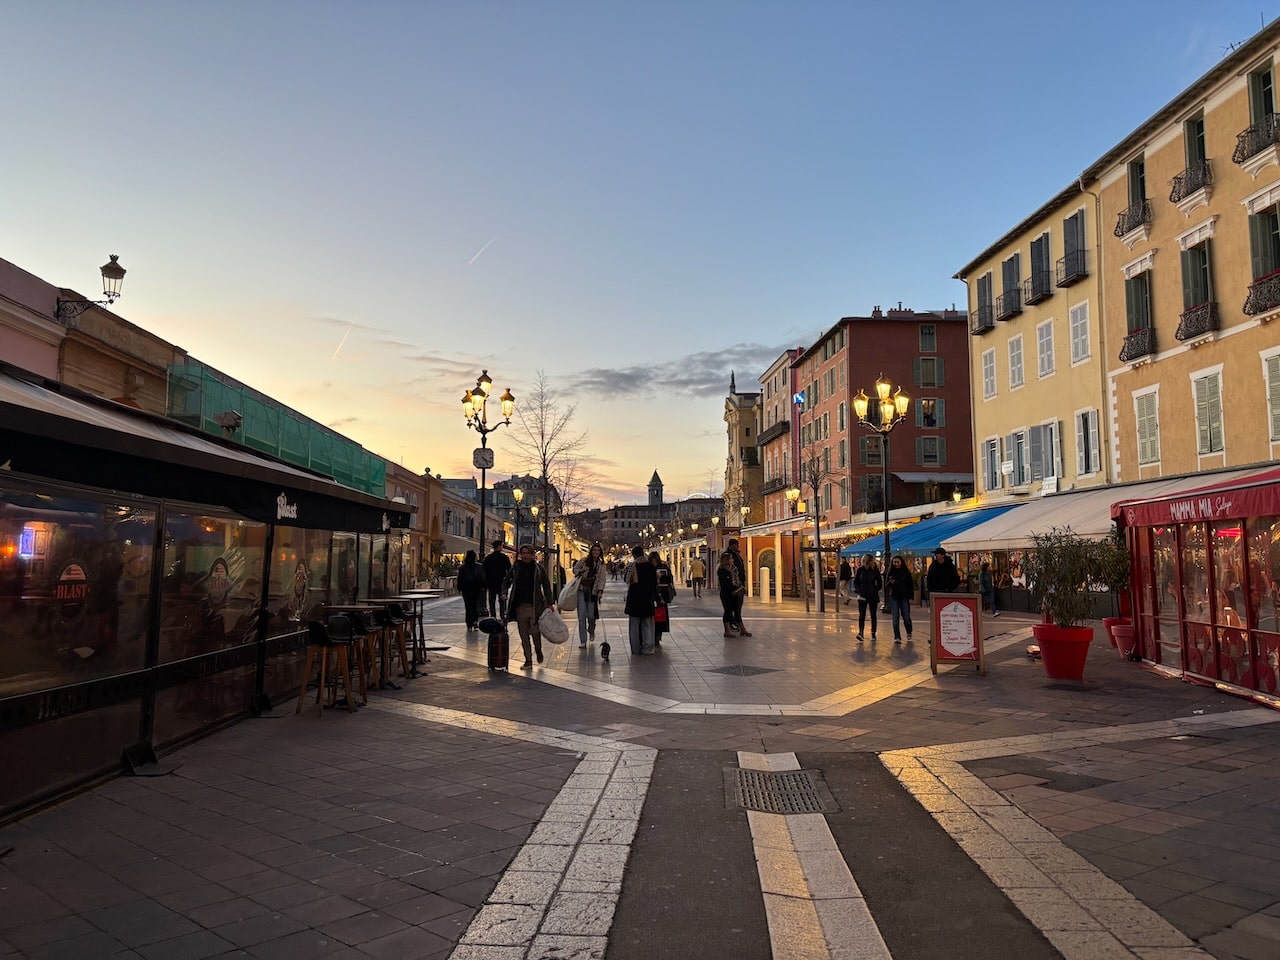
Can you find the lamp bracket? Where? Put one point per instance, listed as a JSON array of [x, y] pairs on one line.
[[68, 310]]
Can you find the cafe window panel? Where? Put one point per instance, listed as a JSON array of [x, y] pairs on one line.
[[1229, 602], [1264, 578], [1164, 568], [212, 584], [74, 589], [299, 578], [345, 569], [1195, 573], [377, 566]]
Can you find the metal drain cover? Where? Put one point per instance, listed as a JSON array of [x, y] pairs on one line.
[[785, 791], [743, 670]]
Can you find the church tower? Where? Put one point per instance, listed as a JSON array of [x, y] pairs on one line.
[[655, 490]]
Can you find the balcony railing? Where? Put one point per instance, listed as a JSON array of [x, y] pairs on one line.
[[1253, 140], [769, 433], [1139, 343], [771, 486], [982, 319], [1009, 304], [1037, 287], [1195, 177], [1074, 266], [1198, 321], [1132, 217], [1264, 295]]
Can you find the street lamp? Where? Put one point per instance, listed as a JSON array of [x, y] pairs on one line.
[[518, 495], [956, 495], [744, 510], [889, 411], [112, 277], [473, 408]]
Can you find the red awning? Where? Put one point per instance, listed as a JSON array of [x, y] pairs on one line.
[[1255, 495]]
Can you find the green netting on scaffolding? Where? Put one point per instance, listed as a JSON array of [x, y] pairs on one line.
[[209, 400]]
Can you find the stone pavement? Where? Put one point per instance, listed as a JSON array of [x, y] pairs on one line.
[[587, 808]]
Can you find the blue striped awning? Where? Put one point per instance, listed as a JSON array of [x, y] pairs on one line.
[[921, 539]]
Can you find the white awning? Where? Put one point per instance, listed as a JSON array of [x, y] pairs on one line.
[[924, 477], [1086, 512]]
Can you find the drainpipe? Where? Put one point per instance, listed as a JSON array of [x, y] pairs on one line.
[[1102, 336]]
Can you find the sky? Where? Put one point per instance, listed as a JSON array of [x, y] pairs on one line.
[[357, 207]]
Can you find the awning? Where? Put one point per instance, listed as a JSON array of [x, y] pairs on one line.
[[921, 539], [1086, 512], [1253, 495], [53, 431], [922, 477]]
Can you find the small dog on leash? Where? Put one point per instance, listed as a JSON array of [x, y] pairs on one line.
[[604, 650]]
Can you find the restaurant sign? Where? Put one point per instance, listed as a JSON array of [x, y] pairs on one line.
[[1208, 504]]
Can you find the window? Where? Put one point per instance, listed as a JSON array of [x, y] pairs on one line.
[[1208, 397], [1271, 370], [1193, 141], [928, 371], [985, 308], [1015, 362], [1137, 301], [1080, 332], [1262, 97], [988, 374], [1044, 347], [928, 338], [843, 453], [1073, 265], [1041, 284], [1197, 284], [1088, 446], [1264, 242], [991, 464], [1137, 181], [1017, 449], [931, 451], [869, 450], [931, 413], [840, 415], [1045, 450], [1145, 407]]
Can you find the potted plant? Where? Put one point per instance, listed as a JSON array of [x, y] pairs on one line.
[[1113, 570], [1060, 567]]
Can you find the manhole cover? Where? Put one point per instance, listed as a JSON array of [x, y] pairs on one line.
[[787, 791], [742, 670]]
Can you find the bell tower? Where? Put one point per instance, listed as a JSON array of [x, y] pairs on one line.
[[655, 490]]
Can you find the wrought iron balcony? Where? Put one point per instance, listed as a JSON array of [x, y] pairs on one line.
[[771, 486], [1198, 321], [1264, 295], [1139, 343], [769, 433], [1253, 140], [1009, 304], [1194, 178], [1072, 267], [1132, 217], [982, 319], [1037, 287]]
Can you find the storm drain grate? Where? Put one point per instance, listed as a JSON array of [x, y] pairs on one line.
[[742, 670], [787, 791]]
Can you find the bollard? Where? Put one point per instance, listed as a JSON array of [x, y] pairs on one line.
[[764, 584]]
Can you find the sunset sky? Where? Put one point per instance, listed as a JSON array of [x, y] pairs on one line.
[[357, 207]]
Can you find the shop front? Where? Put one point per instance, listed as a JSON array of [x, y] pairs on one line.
[[1206, 564], [155, 582]]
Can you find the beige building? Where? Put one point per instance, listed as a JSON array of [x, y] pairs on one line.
[[1037, 353], [742, 473], [1191, 274]]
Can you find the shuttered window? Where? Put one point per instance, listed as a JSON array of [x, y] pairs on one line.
[[1044, 347], [1137, 301], [1208, 392], [1088, 452], [1079, 332], [1015, 362], [1144, 408], [1197, 286], [931, 451], [1273, 394], [988, 374]]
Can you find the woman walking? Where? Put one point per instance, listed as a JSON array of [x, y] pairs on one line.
[[900, 588], [867, 584], [987, 588], [642, 600], [471, 585], [590, 572], [731, 591]]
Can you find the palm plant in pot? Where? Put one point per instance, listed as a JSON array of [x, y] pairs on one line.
[[1060, 567]]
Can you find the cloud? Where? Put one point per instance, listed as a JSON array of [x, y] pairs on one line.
[[343, 422], [703, 374]]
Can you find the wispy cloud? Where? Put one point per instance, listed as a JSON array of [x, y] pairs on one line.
[[480, 251], [703, 374]]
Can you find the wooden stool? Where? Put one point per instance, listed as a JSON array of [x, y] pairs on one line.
[[319, 643], [394, 624], [340, 631]]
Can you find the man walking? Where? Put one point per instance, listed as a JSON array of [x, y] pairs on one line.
[[530, 595], [943, 577], [697, 575], [496, 567], [742, 578]]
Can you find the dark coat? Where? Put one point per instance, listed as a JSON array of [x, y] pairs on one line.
[[867, 583], [496, 567], [900, 584], [642, 592], [943, 577]]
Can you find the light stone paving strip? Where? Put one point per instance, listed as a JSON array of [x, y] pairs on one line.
[[813, 905], [1085, 914], [558, 896]]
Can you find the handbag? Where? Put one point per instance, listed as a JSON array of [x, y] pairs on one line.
[[552, 626], [660, 613], [568, 599]]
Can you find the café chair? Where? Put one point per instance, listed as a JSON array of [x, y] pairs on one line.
[[341, 631], [394, 625], [363, 626], [321, 644]]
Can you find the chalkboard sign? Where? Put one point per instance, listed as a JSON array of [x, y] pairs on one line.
[[957, 630]]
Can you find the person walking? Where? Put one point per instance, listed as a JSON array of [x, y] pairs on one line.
[[867, 583], [741, 569], [666, 582], [590, 571], [730, 588], [843, 579], [987, 588], [697, 576], [497, 567], [942, 577], [530, 595], [899, 587], [642, 600], [471, 584]]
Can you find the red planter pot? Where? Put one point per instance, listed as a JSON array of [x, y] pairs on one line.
[[1126, 638], [1063, 650], [1108, 623]]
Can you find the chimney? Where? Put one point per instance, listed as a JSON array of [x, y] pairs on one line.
[[875, 312]]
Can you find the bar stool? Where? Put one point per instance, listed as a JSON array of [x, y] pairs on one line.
[[372, 633], [392, 620], [321, 644], [340, 631]]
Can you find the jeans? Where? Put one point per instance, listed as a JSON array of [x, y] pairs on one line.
[[901, 607], [864, 604], [497, 603], [989, 600], [588, 612], [640, 631], [730, 604], [527, 624]]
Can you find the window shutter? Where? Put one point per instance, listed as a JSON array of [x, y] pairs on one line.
[[1260, 244], [1095, 445], [1037, 453], [986, 464], [1071, 234], [942, 451], [1202, 415], [1273, 394], [915, 371], [940, 411], [1080, 441], [919, 414], [919, 451], [940, 379], [1189, 280]]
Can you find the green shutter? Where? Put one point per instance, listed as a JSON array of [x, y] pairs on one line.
[[1260, 244], [1273, 394], [939, 369], [1202, 416], [1189, 284], [940, 412], [942, 451], [919, 451]]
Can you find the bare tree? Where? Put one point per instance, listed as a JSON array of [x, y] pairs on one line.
[[813, 471], [548, 445]]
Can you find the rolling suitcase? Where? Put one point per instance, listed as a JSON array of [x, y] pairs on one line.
[[499, 642]]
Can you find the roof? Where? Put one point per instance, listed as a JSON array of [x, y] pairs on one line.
[[921, 539]]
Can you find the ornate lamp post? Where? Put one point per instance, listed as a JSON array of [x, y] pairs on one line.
[[112, 277], [889, 411], [518, 495], [473, 408]]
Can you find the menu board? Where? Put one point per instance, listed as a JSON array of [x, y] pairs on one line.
[[957, 630]]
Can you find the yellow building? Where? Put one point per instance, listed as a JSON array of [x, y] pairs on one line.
[[1036, 350], [1191, 274]]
